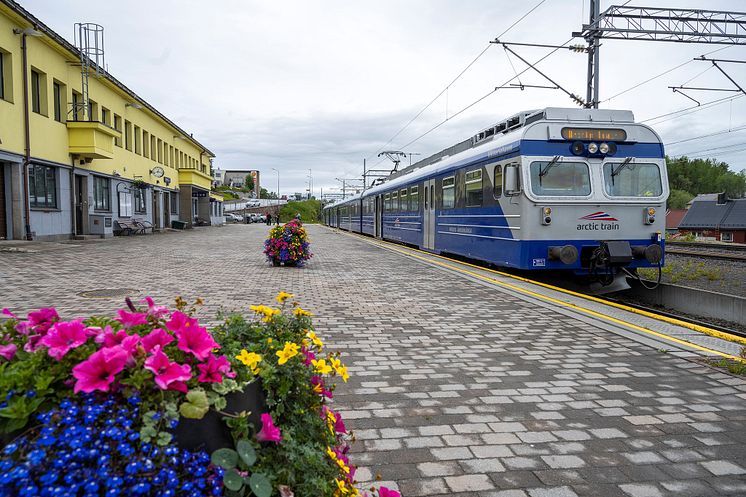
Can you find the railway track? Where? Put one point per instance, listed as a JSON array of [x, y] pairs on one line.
[[708, 250]]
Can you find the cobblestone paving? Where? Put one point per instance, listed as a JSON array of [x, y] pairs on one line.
[[457, 388]]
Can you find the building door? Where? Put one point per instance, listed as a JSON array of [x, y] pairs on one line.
[[81, 203], [166, 209], [156, 210], [428, 216], [3, 222]]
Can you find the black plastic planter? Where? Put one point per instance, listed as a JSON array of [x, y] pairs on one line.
[[211, 433]]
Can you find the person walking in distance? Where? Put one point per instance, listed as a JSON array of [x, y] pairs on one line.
[[269, 219]]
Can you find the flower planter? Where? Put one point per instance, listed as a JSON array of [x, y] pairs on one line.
[[211, 433]]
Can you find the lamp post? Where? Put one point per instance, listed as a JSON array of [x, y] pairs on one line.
[[278, 193]]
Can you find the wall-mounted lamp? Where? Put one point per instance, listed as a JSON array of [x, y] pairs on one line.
[[116, 173], [167, 180], [134, 105], [27, 32]]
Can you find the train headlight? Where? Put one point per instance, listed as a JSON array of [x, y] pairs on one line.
[[649, 215], [592, 147], [604, 148], [546, 216], [577, 148]]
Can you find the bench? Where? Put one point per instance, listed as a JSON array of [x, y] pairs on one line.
[[121, 228], [144, 225]]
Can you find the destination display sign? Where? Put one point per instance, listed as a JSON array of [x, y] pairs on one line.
[[595, 134]]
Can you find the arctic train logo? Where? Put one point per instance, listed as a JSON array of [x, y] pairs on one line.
[[599, 216], [594, 225]]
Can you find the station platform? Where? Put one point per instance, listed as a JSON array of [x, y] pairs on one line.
[[464, 382]]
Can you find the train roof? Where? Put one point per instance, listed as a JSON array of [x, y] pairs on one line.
[[504, 137]]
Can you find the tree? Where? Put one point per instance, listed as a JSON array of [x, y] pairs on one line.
[[696, 176], [678, 199], [263, 193], [249, 183]]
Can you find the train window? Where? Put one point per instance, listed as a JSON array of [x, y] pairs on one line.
[[473, 182], [426, 205], [449, 192], [404, 201], [497, 190], [560, 179], [387, 202], [395, 201], [632, 180], [414, 199]]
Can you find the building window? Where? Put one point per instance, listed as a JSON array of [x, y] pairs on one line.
[[106, 116], [160, 151], [76, 105], [35, 92], [166, 156], [57, 88], [726, 236], [128, 135], [125, 204], [145, 144], [42, 186], [118, 127], [153, 146], [473, 181], [140, 201], [4, 93], [174, 203], [138, 147], [92, 110], [449, 192], [101, 193]]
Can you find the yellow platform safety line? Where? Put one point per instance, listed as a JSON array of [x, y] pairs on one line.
[[576, 307]]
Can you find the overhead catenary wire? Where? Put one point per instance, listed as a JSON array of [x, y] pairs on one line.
[[444, 90]]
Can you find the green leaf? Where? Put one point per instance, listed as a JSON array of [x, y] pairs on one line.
[[232, 480], [225, 458], [246, 452], [196, 405], [164, 438], [260, 485]]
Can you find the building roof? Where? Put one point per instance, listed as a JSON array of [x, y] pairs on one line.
[[708, 214], [674, 217], [40, 26]]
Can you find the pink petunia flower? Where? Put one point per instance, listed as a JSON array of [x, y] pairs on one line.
[[156, 311], [339, 425], [192, 337], [168, 375], [110, 338], [386, 492], [269, 432], [310, 356], [214, 370], [156, 338], [8, 352], [98, 371], [7, 312], [131, 319], [63, 337], [317, 384]]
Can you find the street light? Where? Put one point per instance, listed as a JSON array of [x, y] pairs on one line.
[[278, 193]]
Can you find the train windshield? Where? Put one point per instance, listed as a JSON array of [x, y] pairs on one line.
[[628, 179], [560, 179]]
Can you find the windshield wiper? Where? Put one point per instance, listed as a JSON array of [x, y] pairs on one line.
[[543, 171], [621, 166]]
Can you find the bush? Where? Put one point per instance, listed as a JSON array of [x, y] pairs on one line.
[[309, 210]]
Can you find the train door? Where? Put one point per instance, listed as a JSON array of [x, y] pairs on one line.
[[378, 215], [428, 216]]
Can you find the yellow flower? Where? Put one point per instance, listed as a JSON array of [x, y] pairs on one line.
[[340, 369], [320, 366], [341, 488], [343, 466], [331, 419], [315, 339], [250, 359], [290, 350], [283, 296], [268, 312], [301, 312], [332, 454]]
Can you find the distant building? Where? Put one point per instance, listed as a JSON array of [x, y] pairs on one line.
[[717, 218], [673, 219], [237, 179], [217, 177]]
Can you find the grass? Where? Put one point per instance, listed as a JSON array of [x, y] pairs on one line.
[[678, 271]]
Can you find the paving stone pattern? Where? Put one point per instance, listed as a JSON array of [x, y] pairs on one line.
[[457, 388]]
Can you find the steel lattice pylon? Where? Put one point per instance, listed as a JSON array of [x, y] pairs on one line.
[[656, 24]]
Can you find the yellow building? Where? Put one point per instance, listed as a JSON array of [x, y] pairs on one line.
[[82, 154]]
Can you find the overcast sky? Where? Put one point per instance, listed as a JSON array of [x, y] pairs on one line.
[[321, 85]]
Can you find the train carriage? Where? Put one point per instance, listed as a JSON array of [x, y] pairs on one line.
[[581, 190]]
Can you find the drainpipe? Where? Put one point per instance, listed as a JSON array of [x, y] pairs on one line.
[[73, 198], [27, 134]]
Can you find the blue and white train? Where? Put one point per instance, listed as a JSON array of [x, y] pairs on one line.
[[580, 190]]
